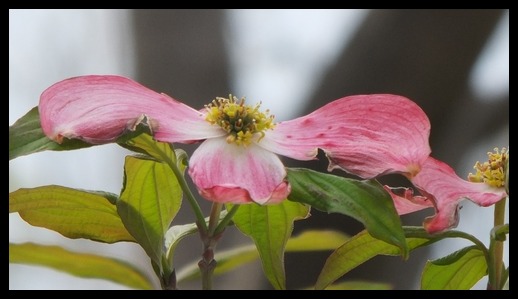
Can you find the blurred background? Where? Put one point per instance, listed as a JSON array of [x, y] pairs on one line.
[[453, 63]]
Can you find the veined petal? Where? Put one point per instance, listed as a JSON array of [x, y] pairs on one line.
[[230, 173], [438, 181], [367, 135], [405, 201], [98, 109]]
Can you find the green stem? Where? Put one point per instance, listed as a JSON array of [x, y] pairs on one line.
[[419, 232], [169, 281], [496, 249], [206, 274], [214, 218], [183, 184], [226, 220], [207, 263], [215, 230], [191, 199]]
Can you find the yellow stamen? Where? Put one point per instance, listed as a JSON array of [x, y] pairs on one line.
[[242, 122], [493, 171]]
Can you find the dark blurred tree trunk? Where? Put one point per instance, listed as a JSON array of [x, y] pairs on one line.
[[427, 56], [182, 53]]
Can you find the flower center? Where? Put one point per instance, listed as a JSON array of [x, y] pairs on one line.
[[492, 172], [242, 122]]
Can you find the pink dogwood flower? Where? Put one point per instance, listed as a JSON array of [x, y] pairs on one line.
[[442, 189], [237, 162]]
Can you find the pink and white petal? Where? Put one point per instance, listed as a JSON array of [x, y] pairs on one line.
[[366, 135], [237, 195], [225, 172], [234, 195], [405, 201], [98, 109], [438, 181]]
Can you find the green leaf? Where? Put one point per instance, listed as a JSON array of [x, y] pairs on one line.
[[26, 137], [70, 212], [355, 252], [313, 240], [460, 270], [149, 201], [316, 240], [270, 227], [79, 264], [365, 201]]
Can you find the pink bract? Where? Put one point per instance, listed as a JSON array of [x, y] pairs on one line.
[[366, 135], [444, 190]]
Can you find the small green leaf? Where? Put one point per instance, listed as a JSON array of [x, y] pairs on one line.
[[505, 277], [26, 137], [365, 201], [460, 270], [145, 144], [79, 264], [270, 227], [500, 232], [312, 240], [355, 252], [150, 199], [173, 237], [176, 233], [72, 213]]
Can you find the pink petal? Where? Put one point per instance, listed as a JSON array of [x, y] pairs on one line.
[[228, 173], [439, 183], [367, 135], [405, 201], [98, 109]]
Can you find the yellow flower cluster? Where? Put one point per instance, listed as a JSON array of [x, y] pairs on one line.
[[242, 122], [493, 171]]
